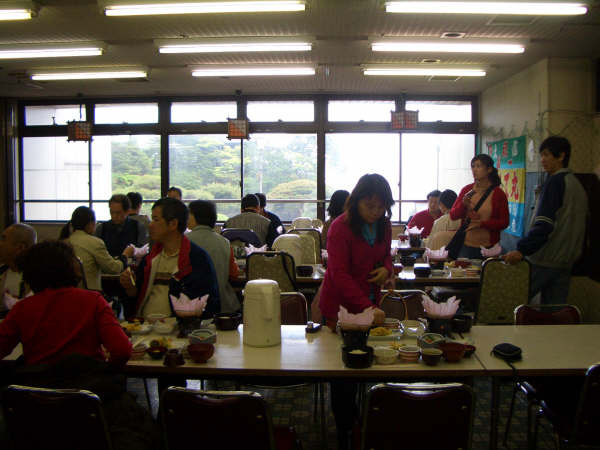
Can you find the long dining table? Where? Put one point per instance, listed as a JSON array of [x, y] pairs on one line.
[[548, 350]]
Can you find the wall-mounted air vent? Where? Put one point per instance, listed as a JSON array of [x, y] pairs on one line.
[[443, 78], [453, 35], [511, 20]]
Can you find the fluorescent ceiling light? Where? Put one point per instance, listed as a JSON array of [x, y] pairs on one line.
[[473, 7], [49, 50], [253, 71], [91, 74], [228, 45], [153, 8], [17, 10], [446, 47], [423, 71]]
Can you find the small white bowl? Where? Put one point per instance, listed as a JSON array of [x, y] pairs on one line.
[[385, 355], [163, 327]]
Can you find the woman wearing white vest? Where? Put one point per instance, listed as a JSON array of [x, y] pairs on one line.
[[202, 219]]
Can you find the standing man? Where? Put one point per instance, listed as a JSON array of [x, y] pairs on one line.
[[555, 240], [276, 227], [121, 231], [424, 219], [14, 240], [175, 266], [250, 218]]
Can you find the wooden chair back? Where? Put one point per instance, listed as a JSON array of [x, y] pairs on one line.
[[294, 308]]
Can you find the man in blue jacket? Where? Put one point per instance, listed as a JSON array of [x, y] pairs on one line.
[[175, 266], [555, 240]]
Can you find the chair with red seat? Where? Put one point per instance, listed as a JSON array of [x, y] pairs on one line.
[[221, 419], [437, 416], [532, 387]]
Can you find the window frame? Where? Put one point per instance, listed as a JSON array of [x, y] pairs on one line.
[[164, 128]]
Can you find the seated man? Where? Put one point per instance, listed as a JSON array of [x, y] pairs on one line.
[[250, 218], [121, 231], [175, 192], [276, 227], [425, 219], [444, 228], [13, 242], [175, 266], [135, 205], [203, 216]]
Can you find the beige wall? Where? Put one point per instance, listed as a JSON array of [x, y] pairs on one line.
[[571, 104], [517, 107], [554, 96]]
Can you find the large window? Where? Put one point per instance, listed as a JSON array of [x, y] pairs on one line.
[[351, 155], [300, 150], [122, 164], [284, 167], [207, 167], [433, 161], [54, 171]]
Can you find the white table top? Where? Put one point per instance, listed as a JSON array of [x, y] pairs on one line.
[[316, 355], [547, 349]]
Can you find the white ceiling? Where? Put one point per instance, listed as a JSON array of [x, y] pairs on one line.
[[342, 30]]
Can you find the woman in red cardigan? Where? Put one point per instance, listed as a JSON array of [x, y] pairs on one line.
[[359, 263], [60, 319], [491, 217]]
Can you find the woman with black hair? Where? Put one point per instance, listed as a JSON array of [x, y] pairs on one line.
[[59, 319], [91, 250], [335, 208], [487, 221], [359, 264]]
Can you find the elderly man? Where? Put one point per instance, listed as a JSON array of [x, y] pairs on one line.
[[14, 240], [120, 230], [250, 218]]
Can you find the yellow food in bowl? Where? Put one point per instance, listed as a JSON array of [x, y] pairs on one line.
[[380, 331]]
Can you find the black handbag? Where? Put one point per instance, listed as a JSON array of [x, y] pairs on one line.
[[458, 239]]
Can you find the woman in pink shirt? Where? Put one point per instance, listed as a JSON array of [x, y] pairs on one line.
[[359, 264]]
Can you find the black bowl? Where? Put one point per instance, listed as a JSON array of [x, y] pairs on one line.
[[461, 323], [422, 270], [355, 338], [357, 358], [227, 321], [304, 271], [407, 260]]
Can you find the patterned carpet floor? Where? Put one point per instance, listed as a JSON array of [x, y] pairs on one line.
[[295, 407]]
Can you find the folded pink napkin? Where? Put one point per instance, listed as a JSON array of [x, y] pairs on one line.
[[442, 253], [251, 249], [140, 252], [491, 252], [444, 310], [414, 230], [349, 320], [185, 307]]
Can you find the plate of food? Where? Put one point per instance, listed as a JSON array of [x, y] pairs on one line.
[[384, 334], [136, 327]]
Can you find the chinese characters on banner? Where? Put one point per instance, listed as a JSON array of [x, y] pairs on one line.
[[509, 158]]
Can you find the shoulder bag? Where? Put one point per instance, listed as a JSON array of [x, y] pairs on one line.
[[458, 239]]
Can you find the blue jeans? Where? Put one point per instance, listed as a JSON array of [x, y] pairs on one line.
[[551, 282]]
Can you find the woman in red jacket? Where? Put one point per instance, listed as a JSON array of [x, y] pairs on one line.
[[60, 319], [491, 217], [359, 263]]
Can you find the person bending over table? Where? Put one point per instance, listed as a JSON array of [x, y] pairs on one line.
[[491, 217], [359, 263]]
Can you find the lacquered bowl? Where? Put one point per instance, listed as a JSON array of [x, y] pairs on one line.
[[227, 321], [200, 353], [357, 358], [431, 356], [453, 351]]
